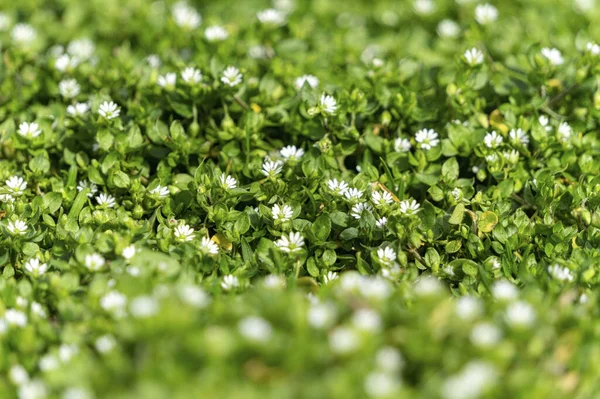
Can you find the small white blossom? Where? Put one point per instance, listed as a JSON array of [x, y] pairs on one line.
[[519, 314], [128, 252], [312, 81], [427, 285], [560, 273], [492, 140], [15, 318], [485, 335], [38, 310], [366, 320], [168, 80], [191, 76], [291, 152], [329, 277], [231, 76], [564, 131], [109, 110], [386, 255], [143, 306], [48, 362], [160, 191], [519, 136], [255, 329], [77, 393], [94, 261], [271, 16], [29, 130], [154, 61], [592, 48], [504, 291], [23, 34], [427, 138], [545, 122], [65, 62], [230, 282], [282, 213], [208, 246], [321, 315], [260, 52], [193, 296], [358, 209], [512, 157], [470, 382], [409, 207], [474, 56], [424, 7], [78, 109], [402, 144], [69, 88], [273, 281], [18, 375], [184, 233], [35, 267], [83, 184], [227, 182], [4, 22], [448, 29], [185, 16], [105, 200], [486, 14], [468, 307], [381, 198], [271, 168], [327, 104], [17, 227], [381, 222], [353, 194], [291, 243], [216, 33], [82, 49], [338, 187], [553, 55], [380, 385], [343, 340], [34, 389], [16, 185]]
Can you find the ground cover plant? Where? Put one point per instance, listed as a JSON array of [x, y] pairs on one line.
[[299, 199]]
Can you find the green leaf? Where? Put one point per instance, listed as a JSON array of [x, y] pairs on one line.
[[52, 202], [40, 164], [453, 246], [121, 180], [457, 214], [311, 266], [487, 221], [450, 170], [322, 227]]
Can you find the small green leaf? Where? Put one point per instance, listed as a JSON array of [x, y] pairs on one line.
[[487, 221], [322, 227], [457, 214]]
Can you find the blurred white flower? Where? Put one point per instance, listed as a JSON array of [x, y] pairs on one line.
[[381, 222], [560, 273], [231, 76], [492, 140], [23, 34], [271, 16], [564, 131], [448, 29], [15, 317], [81, 49], [486, 14], [327, 104], [35, 267], [208, 246], [65, 62], [504, 291], [229, 282], [78, 109], [553, 55], [29, 130], [191, 76], [143, 306], [216, 33], [255, 329], [424, 7], [94, 261], [291, 153], [343, 340], [518, 136], [310, 80], [402, 144], [185, 16], [380, 385], [168, 80], [474, 56], [519, 314]]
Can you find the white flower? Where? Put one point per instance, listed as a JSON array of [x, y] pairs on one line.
[[185, 16], [231, 76], [424, 7], [35, 267], [427, 138], [380, 385], [271, 168], [216, 33], [409, 207], [77, 393], [486, 14], [208, 246], [353, 194], [4, 22], [273, 281], [485, 335], [504, 291], [94, 261], [143, 306], [7, 198], [381, 222], [512, 157], [338, 187], [427, 285], [448, 29], [312, 81], [545, 122], [518, 136], [468, 307], [329, 277], [564, 131], [65, 62], [583, 6], [18, 375], [15, 317], [255, 329], [321, 315], [492, 140], [271, 16], [18, 227], [128, 252], [154, 61], [82, 49], [227, 182], [386, 255], [105, 200], [69, 88], [83, 184], [402, 145], [78, 109], [560, 273], [38, 310], [358, 209], [260, 52], [343, 340], [160, 191], [229, 282], [168, 80], [48, 362], [381, 198], [23, 34], [291, 152], [34, 389], [29, 130], [109, 110], [389, 359], [474, 56], [519, 314], [66, 352], [491, 158], [184, 233], [191, 75], [327, 104], [592, 48], [193, 296], [366, 320], [553, 55], [282, 213], [470, 382], [291, 243], [16, 185]]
